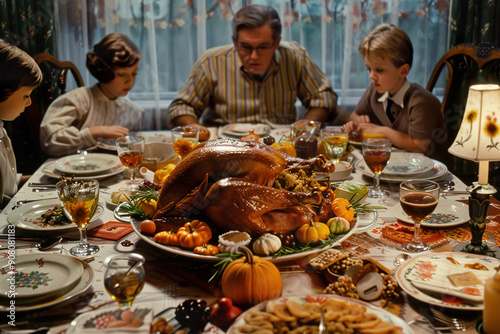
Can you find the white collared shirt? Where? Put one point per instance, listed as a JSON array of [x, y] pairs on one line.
[[9, 179], [397, 98]]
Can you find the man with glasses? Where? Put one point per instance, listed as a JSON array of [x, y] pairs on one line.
[[256, 80]]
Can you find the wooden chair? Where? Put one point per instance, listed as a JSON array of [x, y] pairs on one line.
[[464, 65], [25, 130]]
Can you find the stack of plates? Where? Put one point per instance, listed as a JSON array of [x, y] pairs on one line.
[[403, 166], [43, 280], [85, 166]]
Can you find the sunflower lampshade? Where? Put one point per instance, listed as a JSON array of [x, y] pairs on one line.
[[478, 139]]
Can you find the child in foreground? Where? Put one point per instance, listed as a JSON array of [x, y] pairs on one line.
[[20, 75], [80, 118], [404, 112]]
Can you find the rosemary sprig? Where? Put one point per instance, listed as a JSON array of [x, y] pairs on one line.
[[220, 266], [286, 250], [145, 194], [358, 208], [131, 208]]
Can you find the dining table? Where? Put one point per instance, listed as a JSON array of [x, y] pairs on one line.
[[173, 278]]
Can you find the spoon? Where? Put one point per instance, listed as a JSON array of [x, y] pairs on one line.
[[400, 259], [43, 245]]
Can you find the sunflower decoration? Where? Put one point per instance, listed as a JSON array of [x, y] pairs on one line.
[[470, 118], [183, 147], [492, 130], [80, 212]]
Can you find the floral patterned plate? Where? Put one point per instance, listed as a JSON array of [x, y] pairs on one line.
[[34, 275], [88, 164], [26, 216], [433, 264], [447, 213]]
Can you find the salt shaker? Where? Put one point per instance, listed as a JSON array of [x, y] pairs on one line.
[[491, 320]]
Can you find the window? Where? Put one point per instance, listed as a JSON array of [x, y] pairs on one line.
[[172, 34]]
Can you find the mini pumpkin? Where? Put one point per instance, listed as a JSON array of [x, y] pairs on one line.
[[162, 173], [338, 225], [342, 208], [286, 147], [312, 232], [169, 238], [194, 233], [250, 280], [266, 244], [206, 249]]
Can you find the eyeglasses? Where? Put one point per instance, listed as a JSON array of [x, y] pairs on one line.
[[248, 50]]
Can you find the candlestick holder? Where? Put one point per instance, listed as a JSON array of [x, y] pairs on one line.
[[479, 202]]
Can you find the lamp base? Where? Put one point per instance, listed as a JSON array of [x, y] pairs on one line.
[[483, 249]]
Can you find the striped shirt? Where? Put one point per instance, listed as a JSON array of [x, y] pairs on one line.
[[64, 128], [230, 96]]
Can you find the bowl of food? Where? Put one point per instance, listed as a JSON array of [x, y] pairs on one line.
[[342, 171]]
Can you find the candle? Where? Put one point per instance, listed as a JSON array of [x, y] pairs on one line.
[[491, 320]]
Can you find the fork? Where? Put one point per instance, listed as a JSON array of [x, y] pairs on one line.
[[447, 320], [322, 325]]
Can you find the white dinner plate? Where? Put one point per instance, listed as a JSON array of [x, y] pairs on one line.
[[88, 164], [447, 213], [43, 302], [301, 300], [242, 129], [408, 164], [439, 170], [25, 215], [440, 297], [360, 223], [50, 171], [40, 274]]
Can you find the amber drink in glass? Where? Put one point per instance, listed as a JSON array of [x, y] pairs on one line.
[[377, 153]]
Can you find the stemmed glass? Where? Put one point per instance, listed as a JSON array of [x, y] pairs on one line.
[[184, 139], [79, 200], [418, 199], [334, 139], [124, 277], [131, 153], [376, 153]]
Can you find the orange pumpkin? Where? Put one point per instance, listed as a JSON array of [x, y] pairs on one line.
[[342, 208], [286, 147], [250, 280], [169, 238], [194, 233], [312, 232], [206, 250]]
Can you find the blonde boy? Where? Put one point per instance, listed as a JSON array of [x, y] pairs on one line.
[[406, 113]]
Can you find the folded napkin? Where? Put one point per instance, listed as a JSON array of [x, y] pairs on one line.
[[111, 230]]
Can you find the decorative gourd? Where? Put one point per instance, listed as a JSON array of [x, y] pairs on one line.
[[162, 173], [286, 147], [169, 238], [149, 207], [194, 233], [206, 250], [342, 208], [338, 225], [312, 232], [266, 244], [250, 280]]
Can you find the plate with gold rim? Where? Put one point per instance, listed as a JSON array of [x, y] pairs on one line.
[[39, 274], [442, 298], [345, 304], [41, 302]]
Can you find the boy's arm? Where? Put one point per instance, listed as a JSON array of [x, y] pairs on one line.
[[398, 139]]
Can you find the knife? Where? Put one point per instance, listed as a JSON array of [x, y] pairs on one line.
[[44, 185]]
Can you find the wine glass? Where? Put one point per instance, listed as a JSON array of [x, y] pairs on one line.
[[418, 199], [124, 277], [184, 139], [334, 139], [79, 201], [131, 153], [376, 153]]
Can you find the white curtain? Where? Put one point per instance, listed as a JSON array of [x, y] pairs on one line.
[[172, 34]]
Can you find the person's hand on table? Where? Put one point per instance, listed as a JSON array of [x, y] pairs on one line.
[[108, 132], [191, 121]]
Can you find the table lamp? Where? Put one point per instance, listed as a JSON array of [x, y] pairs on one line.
[[478, 139]]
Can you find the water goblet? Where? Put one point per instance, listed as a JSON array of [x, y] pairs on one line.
[[418, 199], [334, 140], [376, 153], [124, 277], [131, 153], [184, 139], [79, 200]]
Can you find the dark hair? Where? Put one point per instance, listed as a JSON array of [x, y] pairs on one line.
[[387, 40], [115, 50], [17, 69], [257, 16]]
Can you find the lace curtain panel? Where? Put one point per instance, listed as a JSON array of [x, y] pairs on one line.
[[172, 34]]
